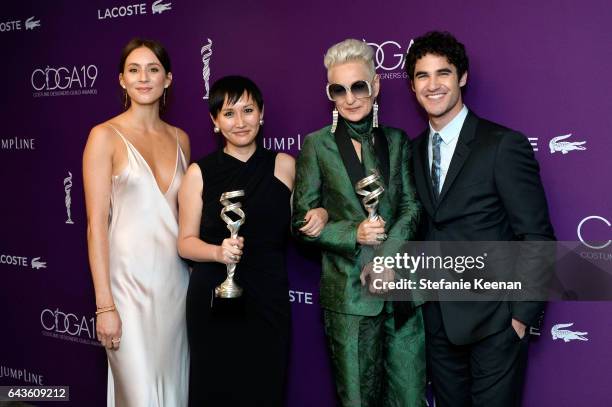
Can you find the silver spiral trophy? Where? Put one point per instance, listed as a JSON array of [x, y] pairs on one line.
[[371, 188], [229, 289], [68, 199]]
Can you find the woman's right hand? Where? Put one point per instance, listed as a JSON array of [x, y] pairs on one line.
[[230, 250], [108, 328], [371, 232]]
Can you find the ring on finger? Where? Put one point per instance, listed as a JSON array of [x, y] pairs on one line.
[[381, 237]]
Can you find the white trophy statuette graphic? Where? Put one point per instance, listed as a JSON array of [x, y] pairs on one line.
[[229, 289], [206, 53], [68, 199]]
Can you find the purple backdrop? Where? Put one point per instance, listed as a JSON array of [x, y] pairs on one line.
[[539, 67]]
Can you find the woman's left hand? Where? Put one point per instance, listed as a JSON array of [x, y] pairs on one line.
[[315, 219]]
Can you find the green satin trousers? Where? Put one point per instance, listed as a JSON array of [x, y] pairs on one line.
[[375, 364]]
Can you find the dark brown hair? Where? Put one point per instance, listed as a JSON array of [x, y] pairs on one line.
[[155, 47]]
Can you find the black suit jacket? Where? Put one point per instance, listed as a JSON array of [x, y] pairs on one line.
[[492, 192]]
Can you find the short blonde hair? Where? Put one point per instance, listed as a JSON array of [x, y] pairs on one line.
[[350, 50]]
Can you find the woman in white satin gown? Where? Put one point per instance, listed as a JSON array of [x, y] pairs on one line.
[[132, 169]]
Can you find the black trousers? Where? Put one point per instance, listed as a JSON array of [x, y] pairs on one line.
[[487, 373]]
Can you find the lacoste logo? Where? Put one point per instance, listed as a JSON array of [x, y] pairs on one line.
[[36, 264], [159, 7], [565, 146], [558, 332], [31, 24]]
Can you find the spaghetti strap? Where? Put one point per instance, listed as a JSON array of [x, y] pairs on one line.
[[179, 149], [127, 144]]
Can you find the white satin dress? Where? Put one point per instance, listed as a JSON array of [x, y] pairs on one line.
[[149, 286]]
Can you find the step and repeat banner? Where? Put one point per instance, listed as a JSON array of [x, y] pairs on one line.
[[539, 67]]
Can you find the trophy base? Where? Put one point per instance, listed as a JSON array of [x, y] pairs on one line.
[[228, 289]]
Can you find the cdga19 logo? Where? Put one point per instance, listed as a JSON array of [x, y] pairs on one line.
[[64, 80], [68, 323], [389, 56], [580, 231]]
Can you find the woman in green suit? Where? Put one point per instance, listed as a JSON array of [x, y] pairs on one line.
[[377, 347]]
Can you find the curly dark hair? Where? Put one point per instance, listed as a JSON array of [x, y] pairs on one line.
[[440, 43]]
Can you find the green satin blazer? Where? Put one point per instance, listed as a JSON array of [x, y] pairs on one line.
[[322, 181]]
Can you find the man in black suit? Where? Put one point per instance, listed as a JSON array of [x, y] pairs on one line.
[[477, 181]]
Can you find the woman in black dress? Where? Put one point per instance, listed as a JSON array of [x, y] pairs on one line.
[[239, 347]]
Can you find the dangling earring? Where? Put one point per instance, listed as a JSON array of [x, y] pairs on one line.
[[125, 98], [216, 129], [164, 102], [334, 120], [375, 115]]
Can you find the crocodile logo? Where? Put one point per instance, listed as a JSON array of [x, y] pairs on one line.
[[565, 146], [31, 24], [158, 7], [558, 332], [37, 264]]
